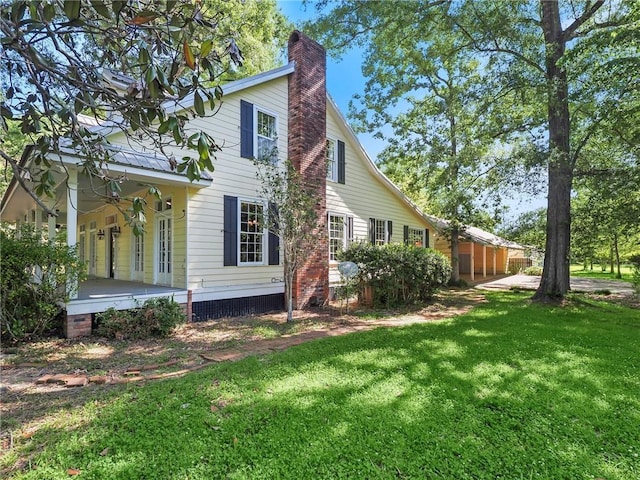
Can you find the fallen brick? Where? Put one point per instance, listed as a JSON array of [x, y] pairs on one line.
[[99, 379], [44, 379], [79, 381]]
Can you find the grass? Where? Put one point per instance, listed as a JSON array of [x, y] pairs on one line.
[[509, 390], [625, 270]]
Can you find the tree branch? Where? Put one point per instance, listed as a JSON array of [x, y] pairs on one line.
[[570, 31], [17, 174]]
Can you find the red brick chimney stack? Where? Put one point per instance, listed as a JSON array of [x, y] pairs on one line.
[[307, 143]]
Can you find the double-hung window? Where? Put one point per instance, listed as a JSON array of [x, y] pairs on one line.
[[247, 240], [416, 237], [337, 235], [380, 231], [258, 132], [266, 136], [332, 160], [251, 233]]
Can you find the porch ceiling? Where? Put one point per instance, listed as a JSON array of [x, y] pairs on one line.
[[135, 173]]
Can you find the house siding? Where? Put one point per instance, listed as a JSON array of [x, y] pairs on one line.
[[233, 176], [365, 195]]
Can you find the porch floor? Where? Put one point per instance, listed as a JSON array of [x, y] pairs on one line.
[[109, 287]]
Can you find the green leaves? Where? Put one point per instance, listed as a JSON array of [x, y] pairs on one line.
[[72, 9]]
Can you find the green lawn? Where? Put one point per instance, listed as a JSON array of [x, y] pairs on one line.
[[510, 390], [625, 270]]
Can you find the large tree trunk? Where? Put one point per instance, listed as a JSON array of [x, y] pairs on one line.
[[455, 257], [555, 274]]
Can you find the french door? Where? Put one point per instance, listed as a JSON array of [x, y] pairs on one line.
[[164, 246]]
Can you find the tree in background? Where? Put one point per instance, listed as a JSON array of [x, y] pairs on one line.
[[162, 52], [528, 229], [606, 208], [291, 216], [570, 65], [432, 93]]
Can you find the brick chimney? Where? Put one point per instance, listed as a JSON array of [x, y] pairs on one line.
[[307, 143]]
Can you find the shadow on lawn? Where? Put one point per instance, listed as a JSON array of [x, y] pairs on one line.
[[548, 392], [501, 392]]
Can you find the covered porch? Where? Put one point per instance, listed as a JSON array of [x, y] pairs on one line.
[[124, 268], [96, 295]]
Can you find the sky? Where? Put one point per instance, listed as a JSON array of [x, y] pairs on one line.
[[345, 79]]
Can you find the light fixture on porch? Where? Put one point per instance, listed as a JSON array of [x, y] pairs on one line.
[[115, 231], [100, 234]]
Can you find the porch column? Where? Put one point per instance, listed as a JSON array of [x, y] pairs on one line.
[[51, 228], [484, 261], [38, 220], [495, 254], [473, 263], [72, 217]]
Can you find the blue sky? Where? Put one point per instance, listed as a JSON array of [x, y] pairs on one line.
[[345, 79], [344, 76]]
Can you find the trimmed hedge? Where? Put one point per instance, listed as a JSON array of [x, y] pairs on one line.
[[399, 274]]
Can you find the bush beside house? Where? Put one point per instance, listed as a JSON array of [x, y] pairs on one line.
[[156, 318], [398, 274], [37, 277]]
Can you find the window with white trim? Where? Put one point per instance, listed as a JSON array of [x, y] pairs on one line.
[[251, 233], [332, 160], [416, 237], [337, 235], [380, 234], [266, 135]]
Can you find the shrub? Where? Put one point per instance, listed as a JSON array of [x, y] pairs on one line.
[[635, 276], [156, 318], [533, 271], [399, 274], [37, 278]]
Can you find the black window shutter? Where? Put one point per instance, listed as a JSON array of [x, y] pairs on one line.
[[246, 129], [372, 230], [426, 238], [349, 230], [274, 239], [389, 230], [406, 235], [230, 230], [341, 162]]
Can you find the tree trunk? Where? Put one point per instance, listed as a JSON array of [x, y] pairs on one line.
[[455, 257], [617, 251], [611, 262], [289, 273], [555, 274]]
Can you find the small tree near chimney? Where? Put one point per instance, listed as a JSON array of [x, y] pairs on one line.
[[291, 215]]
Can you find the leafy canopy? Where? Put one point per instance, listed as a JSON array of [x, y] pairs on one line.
[[75, 71]]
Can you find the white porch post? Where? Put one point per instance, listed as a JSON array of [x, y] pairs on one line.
[[484, 261], [38, 220], [72, 216], [51, 228], [473, 264], [495, 254]]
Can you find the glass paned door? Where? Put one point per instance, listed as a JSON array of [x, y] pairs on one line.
[[163, 249], [138, 257]]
